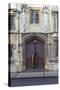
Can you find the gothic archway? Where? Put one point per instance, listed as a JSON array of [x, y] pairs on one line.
[[34, 51]]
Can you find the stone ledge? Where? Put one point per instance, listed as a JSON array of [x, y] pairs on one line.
[[34, 74]]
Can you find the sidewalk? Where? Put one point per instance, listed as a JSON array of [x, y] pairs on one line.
[[34, 74], [34, 81]]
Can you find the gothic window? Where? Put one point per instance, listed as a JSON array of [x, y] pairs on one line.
[[10, 50], [11, 22], [55, 21], [56, 47], [34, 17]]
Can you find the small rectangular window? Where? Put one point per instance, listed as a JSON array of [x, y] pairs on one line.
[[11, 22], [55, 21], [10, 50], [34, 17]]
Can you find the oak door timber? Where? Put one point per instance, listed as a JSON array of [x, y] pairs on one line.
[[34, 54]]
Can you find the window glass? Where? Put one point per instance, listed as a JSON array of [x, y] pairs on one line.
[[11, 22], [10, 50], [34, 16], [55, 21]]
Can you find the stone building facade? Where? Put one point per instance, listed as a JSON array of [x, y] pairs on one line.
[[33, 29]]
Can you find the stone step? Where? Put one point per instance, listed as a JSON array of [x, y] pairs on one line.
[[34, 74]]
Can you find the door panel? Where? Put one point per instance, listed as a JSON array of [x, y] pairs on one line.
[[29, 52], [40, 54], [36, 49]]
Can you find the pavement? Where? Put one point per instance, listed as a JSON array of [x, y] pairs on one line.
[[33, 78], [33, 81]]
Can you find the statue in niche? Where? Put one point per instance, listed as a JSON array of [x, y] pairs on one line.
[[14, 56], [23, 18], [45, 19]]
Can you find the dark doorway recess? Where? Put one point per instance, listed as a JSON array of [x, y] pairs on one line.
[[34, 54]]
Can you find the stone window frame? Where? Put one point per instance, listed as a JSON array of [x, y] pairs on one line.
[[54, 14], [10, 49], [56, 42], [11, 20], [36, 21]]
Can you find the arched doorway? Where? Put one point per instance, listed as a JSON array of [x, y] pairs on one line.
[[34, 53]]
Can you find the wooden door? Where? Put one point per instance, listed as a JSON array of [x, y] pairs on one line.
[[34, 48]]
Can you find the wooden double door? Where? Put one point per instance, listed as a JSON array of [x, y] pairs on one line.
[[34, 54]]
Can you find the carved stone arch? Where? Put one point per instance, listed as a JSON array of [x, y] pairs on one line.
[[40, 37]]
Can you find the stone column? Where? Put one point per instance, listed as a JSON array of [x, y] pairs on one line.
[[20, 54], [24, 67], [17, 41], [46, 55]]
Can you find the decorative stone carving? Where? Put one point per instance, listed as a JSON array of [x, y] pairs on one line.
[[23, 23], [15, 58], [45, 19]]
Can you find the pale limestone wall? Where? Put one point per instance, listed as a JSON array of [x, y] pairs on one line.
[[36, 27], [39, 27], [16, 59], [18, 66], [13, 39], [52, 50]]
